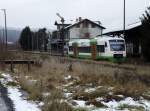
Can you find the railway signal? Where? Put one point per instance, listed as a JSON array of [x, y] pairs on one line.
[[124, 18], [62, 32]]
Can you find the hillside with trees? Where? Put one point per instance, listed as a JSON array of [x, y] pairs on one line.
[[13, 34]]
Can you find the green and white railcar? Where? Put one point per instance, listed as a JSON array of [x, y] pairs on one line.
[[100, 48]]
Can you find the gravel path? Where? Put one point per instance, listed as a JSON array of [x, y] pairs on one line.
[[5, 103]]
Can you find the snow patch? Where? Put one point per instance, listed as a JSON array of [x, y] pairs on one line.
[[89, 90], [19, 103], [69, 84], [68, 77], [67, 95], [80, 103], [129, 101]]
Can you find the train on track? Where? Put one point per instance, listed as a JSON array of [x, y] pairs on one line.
[[99, 48]]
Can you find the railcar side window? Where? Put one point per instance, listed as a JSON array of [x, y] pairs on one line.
[[105, 44], [100, 48], [84, 49]]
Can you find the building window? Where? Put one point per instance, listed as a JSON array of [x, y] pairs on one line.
[[78, 26], [93, 25], [87, 35], [101, 48], [85, 24]]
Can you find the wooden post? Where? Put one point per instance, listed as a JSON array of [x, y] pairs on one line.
[[93, 47], [11, 66], [28, 65], [75, 50]]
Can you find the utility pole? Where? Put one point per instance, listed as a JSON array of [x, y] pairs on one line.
[[3, 30], [37, 42], [4, 10], [62, 32], [32, 42], [1, 46], [124, 19]]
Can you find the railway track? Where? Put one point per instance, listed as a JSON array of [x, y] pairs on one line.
[[72, 60]]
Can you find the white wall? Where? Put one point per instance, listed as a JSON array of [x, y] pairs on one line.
[[76, 33]]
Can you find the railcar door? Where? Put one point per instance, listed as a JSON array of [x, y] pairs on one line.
[[75, 50], [93, 49]]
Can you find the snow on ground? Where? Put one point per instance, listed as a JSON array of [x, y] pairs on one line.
[[89, 90], [67, 95], [129, 101], [67, 77], [20, 104], [81, 103], [114, 105]]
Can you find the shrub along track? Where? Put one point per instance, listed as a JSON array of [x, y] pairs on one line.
[[31, 55]]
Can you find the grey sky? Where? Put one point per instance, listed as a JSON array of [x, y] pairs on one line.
[[42, 13]]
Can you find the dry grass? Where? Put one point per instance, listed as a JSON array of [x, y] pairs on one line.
[[55, 102], [3, 56], [131, 89], [50, 79]]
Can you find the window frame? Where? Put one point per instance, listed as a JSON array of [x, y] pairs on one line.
[[93, 25], [86, 49], [100, 48]]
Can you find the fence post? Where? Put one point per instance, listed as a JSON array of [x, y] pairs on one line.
[[28, 65], [11, 66]]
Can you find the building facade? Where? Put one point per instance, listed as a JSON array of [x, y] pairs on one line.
[[83, 29]]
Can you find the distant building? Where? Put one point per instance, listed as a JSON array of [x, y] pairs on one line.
[[132, 38], [56, 42], [59, 27], [83, 29]]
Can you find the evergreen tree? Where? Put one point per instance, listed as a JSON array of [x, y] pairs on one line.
[[25, 39], [54, 34], [42, 39], [145, 31], [34, 40]]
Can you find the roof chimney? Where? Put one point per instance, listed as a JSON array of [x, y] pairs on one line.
[[98, 22], [80, 19], [77, 20]]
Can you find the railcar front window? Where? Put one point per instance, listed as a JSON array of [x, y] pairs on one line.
[[117, 45]]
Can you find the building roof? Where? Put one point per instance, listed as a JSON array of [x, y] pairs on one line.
[[129, 27], [70, 26], [60, 24]]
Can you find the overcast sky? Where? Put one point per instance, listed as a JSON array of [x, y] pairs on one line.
[[42, 13]]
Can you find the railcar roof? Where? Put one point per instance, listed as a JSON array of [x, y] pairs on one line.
[[79, 41], [100, 38]]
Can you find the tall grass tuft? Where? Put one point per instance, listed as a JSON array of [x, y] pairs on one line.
[[55, 102]]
